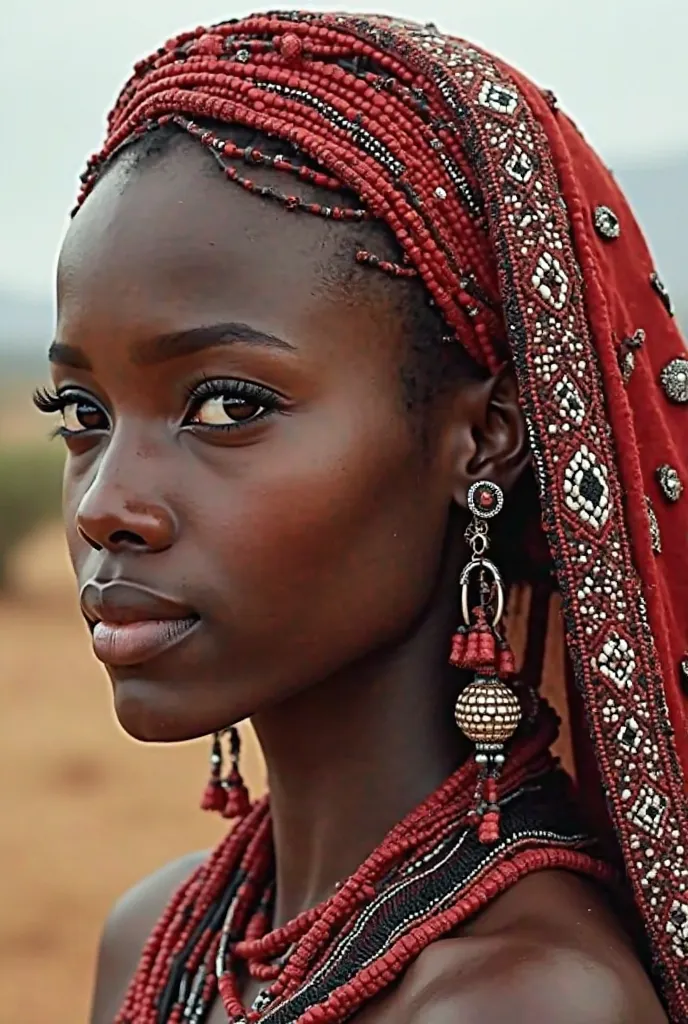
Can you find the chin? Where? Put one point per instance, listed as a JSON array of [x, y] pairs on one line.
[[154, 712]]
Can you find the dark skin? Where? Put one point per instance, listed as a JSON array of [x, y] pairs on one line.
[[318, 544]]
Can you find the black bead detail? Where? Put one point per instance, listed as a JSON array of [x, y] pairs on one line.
[[661, 289]]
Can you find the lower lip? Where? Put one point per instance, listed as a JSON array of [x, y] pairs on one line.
[[136, 642]]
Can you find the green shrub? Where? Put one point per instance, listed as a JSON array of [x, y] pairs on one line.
[[30, 493]]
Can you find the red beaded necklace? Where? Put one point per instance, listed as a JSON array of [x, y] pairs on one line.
[[217, 928]]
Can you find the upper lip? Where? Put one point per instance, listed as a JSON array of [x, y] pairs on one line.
[[120, 602]]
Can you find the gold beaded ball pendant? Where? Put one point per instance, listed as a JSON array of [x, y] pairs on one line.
[[487, 711]]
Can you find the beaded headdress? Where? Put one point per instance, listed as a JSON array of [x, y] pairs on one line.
[[529, 251]]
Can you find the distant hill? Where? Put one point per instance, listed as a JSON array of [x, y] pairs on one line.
[[656, 191]]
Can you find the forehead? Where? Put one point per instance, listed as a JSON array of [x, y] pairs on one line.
[[172, 231]]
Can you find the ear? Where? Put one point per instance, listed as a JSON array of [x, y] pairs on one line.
[[499, 450]]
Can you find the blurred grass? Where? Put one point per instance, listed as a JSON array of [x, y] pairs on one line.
[[30, 493]]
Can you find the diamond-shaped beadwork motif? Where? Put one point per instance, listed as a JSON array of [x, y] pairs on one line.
[[649, 811], [617, 661], [630, 735], [674, 380], [551, 281], [571, 405], [498, 97], [586, 488], [677, 927], [520, 165]]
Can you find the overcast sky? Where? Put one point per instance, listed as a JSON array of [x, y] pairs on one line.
[[619, 66]]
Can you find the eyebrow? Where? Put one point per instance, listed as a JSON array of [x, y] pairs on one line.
[[68, 355], [178, 343]]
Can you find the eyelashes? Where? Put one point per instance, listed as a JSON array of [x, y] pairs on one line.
[[48, 401], [228, 404], [220, 404]]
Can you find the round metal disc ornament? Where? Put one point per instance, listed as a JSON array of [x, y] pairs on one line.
[[485, 499], [674, 380]]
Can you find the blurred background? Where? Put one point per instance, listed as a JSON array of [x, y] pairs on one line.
[[85, 811]]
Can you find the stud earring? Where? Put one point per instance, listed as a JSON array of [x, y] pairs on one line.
[[229, 795], [488, 712]]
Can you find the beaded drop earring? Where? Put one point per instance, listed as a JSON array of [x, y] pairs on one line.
[[227, 794], [487, 711]]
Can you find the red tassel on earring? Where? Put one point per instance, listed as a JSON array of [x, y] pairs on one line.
[[214, 796], [458, 651], [237, 802], [474, 649]]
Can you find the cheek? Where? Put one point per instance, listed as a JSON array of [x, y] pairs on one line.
[[328, 547]]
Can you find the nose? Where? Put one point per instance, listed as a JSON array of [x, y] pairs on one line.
[[112, 516]]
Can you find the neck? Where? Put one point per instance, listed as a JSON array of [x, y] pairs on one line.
[[351, 757]]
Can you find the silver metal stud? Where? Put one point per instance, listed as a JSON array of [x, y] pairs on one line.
[[655, 533], [627, 350], [670, 482], [607, 224], [661, 289], [674, 380]]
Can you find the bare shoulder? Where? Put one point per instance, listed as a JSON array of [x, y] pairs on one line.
[[550, 950], [129, 924]]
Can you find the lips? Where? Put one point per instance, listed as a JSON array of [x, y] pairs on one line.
[[131, 624]]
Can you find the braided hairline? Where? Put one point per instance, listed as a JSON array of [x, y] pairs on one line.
[[394, 148], [431, 364]]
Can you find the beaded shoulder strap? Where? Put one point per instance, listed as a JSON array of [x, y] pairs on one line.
[[536, 819]]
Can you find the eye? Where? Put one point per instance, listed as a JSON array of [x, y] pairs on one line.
[[79, 412], [81, 415], [222, 411], [229, 404]]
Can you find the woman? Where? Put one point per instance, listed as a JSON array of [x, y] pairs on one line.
[[294, 410]]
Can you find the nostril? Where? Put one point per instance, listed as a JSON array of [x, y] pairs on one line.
[[126, 538]]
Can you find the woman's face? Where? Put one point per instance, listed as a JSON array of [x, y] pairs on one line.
[[241, 463]]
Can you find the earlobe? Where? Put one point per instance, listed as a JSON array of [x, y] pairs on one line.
[[501, 452]]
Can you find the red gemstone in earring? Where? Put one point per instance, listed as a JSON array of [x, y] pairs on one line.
[[485, 499]]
